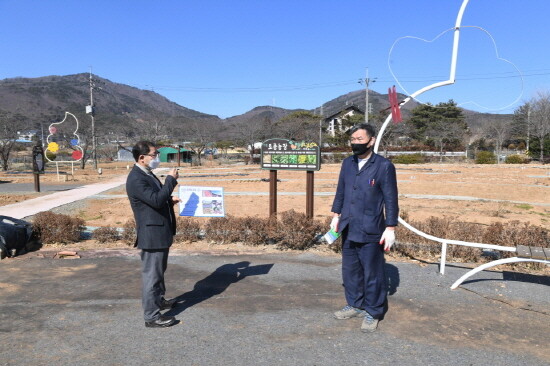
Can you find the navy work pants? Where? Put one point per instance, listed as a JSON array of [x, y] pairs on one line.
[[364, 276]]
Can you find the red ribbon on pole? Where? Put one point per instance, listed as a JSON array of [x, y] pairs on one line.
[[394, 105]]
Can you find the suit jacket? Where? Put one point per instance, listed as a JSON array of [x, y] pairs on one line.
[[362, 197], [153, 209]]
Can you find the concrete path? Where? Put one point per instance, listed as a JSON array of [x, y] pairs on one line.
[[29, 187], [47, 202], [269, 309]]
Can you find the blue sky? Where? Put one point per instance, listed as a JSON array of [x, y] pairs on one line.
[[227, 57]]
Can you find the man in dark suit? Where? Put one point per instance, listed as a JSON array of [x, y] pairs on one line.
[[365, 212], [153, 207]]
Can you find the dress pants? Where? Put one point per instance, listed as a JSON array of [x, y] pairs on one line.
[[364, 276], [154, 263]]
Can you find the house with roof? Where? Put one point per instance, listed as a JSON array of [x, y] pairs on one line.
[[168, 154], [27, 136], [334, 122]]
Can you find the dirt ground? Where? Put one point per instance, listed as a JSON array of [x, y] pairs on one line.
[[469, 192]]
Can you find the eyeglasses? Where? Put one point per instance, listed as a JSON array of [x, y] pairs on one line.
[[154, 155]]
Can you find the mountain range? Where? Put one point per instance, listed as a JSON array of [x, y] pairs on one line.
[[123, 108]]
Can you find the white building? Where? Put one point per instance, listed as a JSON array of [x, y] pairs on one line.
[[334, 122]]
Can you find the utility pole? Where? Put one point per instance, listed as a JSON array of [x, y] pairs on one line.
[[528, 123], [91, 110], [321, 129], [367, 82], [367, 95], [42, 132]]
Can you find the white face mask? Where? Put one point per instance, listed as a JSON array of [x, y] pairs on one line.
[[154, 164]]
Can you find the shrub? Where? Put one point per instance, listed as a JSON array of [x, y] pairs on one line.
[[297, 231], [106, 234], [129, 232], [408, 159], [485, 157], [259, 231], [515, 233], [515, 159], [510, 234], [50, 227], [223, 230], [187, 230], [446, 228]]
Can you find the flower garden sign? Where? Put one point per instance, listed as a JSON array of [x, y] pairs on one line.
[[283, 154]]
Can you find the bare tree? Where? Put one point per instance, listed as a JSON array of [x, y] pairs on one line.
[[158, 128], [252, 131], [10, 124], [300, 125], [498, 130], [200, 135], [443, 132], [540, 119]]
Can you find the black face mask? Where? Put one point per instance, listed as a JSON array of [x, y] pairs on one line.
[[360, 149]]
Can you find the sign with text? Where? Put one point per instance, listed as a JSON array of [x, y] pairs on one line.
[[283, 154], [201, 201]]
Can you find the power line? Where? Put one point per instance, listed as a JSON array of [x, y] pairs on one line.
[[506, 75], [414, 79]]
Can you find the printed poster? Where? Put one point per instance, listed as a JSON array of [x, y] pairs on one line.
[[201, 201]]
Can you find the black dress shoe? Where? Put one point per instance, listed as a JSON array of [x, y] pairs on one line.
[[167, 304], [162, 321]]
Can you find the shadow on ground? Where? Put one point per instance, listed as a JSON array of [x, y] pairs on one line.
[[216, 283], [515, 276]]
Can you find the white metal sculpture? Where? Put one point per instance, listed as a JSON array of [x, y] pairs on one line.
[[449, 81], [53, 147], [55, 150]]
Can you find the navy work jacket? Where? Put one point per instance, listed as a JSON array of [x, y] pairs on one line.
[[362, 197]]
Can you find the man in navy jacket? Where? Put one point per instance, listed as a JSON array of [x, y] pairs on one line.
[[153, 207], [365, 212]]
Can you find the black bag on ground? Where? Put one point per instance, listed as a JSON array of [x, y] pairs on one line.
[[15, 234]]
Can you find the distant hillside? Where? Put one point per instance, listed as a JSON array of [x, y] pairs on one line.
[[476, 120], [379, 102], [118, 106], [262, 113], [128, 110]]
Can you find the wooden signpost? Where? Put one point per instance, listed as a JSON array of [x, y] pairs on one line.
[[283, 154]]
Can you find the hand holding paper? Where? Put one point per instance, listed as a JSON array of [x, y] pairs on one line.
[[334, 223]]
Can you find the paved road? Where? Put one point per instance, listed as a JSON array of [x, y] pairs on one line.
[[263, 310]]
